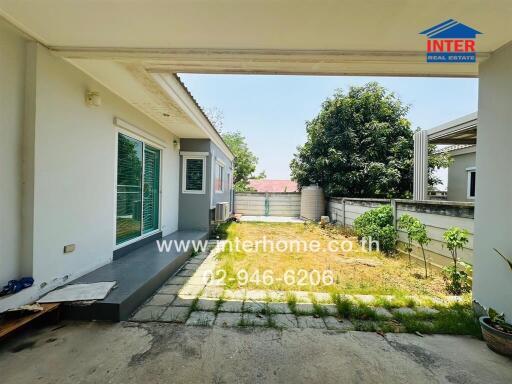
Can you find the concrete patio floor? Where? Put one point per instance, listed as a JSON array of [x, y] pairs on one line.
[[163, 353]]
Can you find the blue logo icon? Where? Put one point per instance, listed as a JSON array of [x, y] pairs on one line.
[[451, 42]]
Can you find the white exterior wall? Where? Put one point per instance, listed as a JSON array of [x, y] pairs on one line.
[[74, 177], [458, 176], [493, 225], [12, 80], [69, 175]]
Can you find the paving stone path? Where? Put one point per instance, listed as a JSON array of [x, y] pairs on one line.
[[194, 298]]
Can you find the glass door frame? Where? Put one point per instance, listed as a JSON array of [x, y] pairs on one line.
[[137, 134]]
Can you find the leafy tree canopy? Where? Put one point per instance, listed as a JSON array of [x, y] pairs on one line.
[[359, 145], [245, 160]]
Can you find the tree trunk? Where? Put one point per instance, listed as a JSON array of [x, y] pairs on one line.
[[409, 249], [424, 260]]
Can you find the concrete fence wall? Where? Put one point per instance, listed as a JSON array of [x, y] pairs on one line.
[[438, 216], [268, 204], [344, 210]]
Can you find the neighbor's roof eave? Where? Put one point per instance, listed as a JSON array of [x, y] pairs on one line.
[[467, 121], [203, 113]]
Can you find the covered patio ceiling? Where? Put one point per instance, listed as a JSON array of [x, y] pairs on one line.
[[321, 37], [135, 48]]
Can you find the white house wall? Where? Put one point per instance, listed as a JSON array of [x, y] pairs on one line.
[[493, 224], [69, 179], [458, 176], [12, 78], [75, 162]]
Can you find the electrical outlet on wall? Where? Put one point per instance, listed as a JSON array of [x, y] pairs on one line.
[[69, 248]]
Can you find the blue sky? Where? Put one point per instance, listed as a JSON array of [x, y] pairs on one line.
[[271, 111]]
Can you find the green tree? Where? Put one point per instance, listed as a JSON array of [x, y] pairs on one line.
[[419, 234], [457, 280], [359, 145], [436, 160], [406, 224], [245, 160], [456, 238]]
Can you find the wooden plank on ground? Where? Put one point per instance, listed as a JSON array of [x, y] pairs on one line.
[[12, 325]]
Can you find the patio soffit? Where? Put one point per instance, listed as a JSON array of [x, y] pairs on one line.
[[373, 37]]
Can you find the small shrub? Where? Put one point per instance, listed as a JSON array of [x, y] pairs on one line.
[[377, 224], [345, 306], [220, 231], [457, 281]]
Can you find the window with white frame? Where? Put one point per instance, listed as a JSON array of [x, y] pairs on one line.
[[193, 174], [471, 183], [219, 177]]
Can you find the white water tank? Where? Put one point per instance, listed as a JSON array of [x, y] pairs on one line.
[[312, 203]]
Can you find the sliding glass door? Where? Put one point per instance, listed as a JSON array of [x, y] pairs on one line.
[[151, 201], [138, 185]]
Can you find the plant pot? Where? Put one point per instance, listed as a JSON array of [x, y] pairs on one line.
[[500, 342]]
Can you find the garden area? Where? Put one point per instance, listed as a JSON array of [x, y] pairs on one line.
[[329, 258], [326, 270], [353, 272]]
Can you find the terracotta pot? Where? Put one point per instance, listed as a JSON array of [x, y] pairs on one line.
[[500, 342]]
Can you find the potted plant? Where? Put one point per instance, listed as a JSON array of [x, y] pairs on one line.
[[496, 331]]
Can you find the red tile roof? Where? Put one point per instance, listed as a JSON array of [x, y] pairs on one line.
[[266, 185]]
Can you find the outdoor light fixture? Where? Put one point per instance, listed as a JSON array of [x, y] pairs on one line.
[[176, 144], [93, 99]]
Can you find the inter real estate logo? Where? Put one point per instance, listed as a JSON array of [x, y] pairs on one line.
[[451, 42]]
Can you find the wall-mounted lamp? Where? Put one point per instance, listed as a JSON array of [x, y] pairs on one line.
[[93, 99], [176, 144]]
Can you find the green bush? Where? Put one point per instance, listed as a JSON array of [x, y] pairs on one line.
[[457, 280], [377, 223]]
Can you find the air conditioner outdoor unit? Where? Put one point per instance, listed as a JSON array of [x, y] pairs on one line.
[[222, 211]]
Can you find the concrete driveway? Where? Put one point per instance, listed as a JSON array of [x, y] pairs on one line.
[[175, 353]]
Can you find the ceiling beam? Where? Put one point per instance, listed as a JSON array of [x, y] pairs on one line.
[[299, 62]]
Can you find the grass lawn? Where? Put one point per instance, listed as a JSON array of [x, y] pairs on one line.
[[353, 272]]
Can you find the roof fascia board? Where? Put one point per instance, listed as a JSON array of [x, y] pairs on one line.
[[461, 124], [462, 151], [175, 90], [281, 54], [277, 61]]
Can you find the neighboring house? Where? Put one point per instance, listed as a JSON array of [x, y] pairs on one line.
[[198, 200], [460, 136], [267, 185], [462, 173], [99, 158]]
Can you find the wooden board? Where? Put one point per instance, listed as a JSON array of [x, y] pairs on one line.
[[13, 324]]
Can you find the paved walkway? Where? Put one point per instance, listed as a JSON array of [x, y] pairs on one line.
[[123, 353], [194, 298], [187, 334]]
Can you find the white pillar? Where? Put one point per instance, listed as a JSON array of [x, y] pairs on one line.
[[420, 179], [492, 277]]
